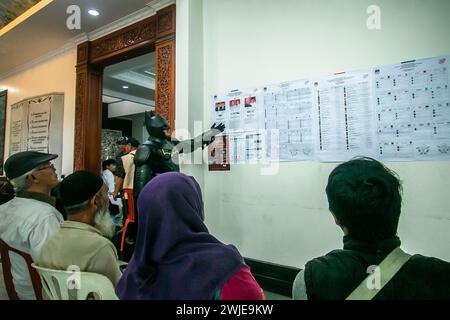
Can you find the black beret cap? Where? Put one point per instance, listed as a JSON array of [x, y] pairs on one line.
[[78, 187], [23, 162]]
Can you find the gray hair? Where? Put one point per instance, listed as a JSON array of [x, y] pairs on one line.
[[21, 183], [76, 208]]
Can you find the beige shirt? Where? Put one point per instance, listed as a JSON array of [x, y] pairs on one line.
[[128, 166], [79, 244]]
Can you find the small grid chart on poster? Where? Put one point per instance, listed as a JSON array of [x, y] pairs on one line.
[[397, 112], [287, 118], [412, 106]]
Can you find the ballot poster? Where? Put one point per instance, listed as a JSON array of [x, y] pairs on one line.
[[413, 110], [219, 110], [247, 147], [398, 112], [288, 121], [343, 116], [238, 110]]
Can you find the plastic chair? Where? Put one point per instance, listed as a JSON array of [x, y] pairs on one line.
[[128, 196], [7, 274], [75, 285]]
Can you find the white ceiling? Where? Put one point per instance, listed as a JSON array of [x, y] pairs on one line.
[[137, 75], [46, 31]]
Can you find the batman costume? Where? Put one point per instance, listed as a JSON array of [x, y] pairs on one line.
[[159, 153]]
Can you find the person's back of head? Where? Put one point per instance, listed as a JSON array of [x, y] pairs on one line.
[[365, 198], [173, 240], [121, 143], [133, 144], [107, 164]]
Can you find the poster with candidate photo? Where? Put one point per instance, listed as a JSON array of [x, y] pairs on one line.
[[218, 155], [219, 110]]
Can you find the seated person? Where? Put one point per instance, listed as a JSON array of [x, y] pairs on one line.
[[30, 219], [175, 256], [365, 200], [82, 241]]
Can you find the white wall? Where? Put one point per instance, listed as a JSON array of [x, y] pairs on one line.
[[126, 108], [54, 75], [189, 80], [284, 218], [138, 130]]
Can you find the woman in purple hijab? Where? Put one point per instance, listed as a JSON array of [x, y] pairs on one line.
[[175, 257]]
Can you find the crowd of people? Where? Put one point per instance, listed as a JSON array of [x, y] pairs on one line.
[[176, 257]]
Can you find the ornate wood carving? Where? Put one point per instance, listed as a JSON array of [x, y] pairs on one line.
[[135, 35], [81, 91], [165, 80], [93, 122], [87, 118], [166, 21], [82, 53]]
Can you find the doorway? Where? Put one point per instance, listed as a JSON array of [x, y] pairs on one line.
[[128, 92], [152, 36]]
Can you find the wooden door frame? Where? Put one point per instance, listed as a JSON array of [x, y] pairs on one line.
[[155, 33]]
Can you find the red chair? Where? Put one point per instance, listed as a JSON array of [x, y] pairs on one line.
[[7, 274], [128, 196]]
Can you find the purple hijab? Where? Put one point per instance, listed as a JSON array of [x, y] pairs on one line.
[[175, 257]]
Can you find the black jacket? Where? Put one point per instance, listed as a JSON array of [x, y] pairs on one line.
[[338, 273]]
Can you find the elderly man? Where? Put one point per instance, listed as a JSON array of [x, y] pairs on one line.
[[81, 240], [30, 219]]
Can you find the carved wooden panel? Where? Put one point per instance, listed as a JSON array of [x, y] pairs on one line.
[[83, 53], [166, 21], [165, 80], [93, 125], [137, 34], [87, 119], [81, 91]]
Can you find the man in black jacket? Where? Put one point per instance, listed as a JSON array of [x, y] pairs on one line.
[[365, 200]]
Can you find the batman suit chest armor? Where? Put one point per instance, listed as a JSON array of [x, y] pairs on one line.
[[162, 157]]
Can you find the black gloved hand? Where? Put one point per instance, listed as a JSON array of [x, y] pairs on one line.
[[208, 136], [220, 127]]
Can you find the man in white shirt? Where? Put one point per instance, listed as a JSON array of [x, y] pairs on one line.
[[82, 239], [109, 167], [30, 219]]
